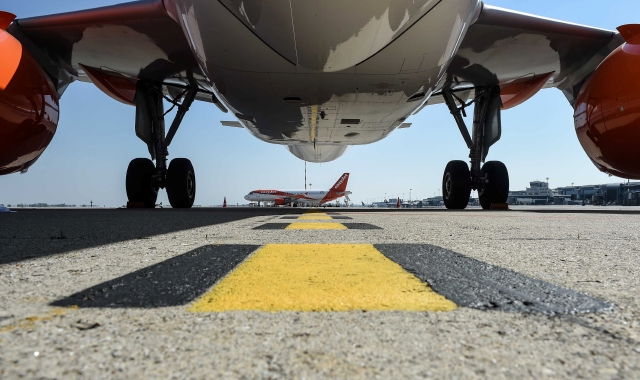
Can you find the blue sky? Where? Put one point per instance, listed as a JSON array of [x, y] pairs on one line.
[[95, 141]]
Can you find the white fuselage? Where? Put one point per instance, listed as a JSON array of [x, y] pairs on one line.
[[321, 76], [298, 196]]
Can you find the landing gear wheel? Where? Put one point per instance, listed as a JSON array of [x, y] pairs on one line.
[[139, 182], [497, 189], [456, 185], [181, 183]]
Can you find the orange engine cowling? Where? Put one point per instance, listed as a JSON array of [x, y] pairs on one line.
[[280, 202], [29, 108], [607, 111]]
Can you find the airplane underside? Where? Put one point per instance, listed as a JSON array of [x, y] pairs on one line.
[[318, 89], [317, 78]]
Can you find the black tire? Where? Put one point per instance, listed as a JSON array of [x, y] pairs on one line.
[[139, 182], [456, 185], [497, 189], [181, 183]]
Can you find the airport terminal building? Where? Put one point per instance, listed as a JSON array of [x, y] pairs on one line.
[[539, 193]]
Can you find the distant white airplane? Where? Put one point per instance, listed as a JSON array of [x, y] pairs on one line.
[[319, 197]]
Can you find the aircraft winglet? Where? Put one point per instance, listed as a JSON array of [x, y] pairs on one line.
[[630, 33], [6, 19]]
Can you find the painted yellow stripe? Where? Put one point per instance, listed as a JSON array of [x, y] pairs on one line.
[[315, 226], [29, 323], [321, 277], [315, 217]]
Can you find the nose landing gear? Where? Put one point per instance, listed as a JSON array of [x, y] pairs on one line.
[[144, 178], [492, 180]]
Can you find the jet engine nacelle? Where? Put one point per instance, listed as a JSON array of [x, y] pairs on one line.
[[29, 108], [280, 202], [607, 110]]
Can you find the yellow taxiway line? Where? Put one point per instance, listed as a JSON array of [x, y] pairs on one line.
[[316, 226], [321, 277], [29, 323], [315, 216]]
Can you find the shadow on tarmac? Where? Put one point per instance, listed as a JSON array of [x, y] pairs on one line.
[[34, 233], [30, 234]]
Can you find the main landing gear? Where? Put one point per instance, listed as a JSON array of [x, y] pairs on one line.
[[144, 178], [492, 179]]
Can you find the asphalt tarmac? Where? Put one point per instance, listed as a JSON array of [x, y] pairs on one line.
[[342, 293]]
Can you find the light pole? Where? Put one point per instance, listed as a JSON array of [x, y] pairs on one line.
[[410, 195]]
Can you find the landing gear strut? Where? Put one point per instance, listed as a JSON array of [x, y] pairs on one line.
[[144, 178], [492, 179]]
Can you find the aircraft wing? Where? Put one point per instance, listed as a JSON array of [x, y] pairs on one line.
[[504, 46], [135, 40]]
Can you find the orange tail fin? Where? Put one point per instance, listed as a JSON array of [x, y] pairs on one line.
[[341, 185]]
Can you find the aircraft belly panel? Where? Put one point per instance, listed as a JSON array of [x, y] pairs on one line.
[[303, 103], [220, 40], [269, 20], [428, 44], [334, 35]]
